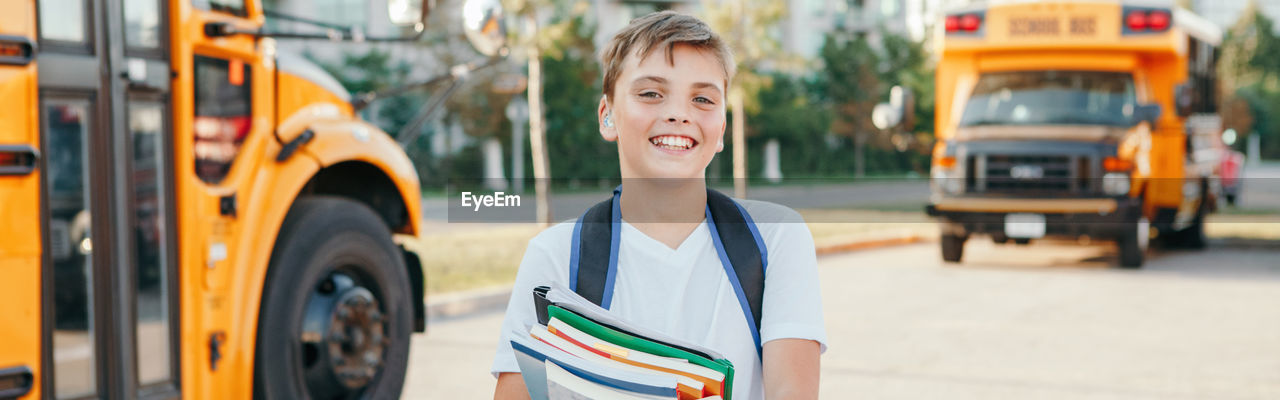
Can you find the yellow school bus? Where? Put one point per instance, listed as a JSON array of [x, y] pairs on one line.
[[1075, 119], [187, 212]]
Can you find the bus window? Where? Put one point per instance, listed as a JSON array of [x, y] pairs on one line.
[[66, 128], [142, 23], [146, 123], [63, 20], [1051, 98], [224, 114]]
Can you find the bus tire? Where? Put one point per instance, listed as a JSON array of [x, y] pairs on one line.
[[1193, 236], [952, 247], [336, 310], [1133, 244]]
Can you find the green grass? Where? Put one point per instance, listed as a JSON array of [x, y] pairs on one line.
[[475, 258]]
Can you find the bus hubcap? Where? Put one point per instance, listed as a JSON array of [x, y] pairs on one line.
[[343, 336], [355, 338]]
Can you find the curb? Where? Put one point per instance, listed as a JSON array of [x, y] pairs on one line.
[[467, 302], [491, 299], [870, 244]]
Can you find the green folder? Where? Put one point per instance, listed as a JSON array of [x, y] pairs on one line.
[[633, 342]]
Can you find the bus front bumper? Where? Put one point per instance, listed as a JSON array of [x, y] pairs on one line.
[[1105, 218]]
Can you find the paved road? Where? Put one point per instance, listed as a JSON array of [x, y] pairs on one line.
[[1261, 187], [1047, 321]]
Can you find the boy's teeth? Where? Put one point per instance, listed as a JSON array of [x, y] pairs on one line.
[[673, 142]]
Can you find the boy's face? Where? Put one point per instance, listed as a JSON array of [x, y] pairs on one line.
[[668, 119]]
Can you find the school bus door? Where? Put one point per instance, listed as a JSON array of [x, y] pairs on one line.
[[110, 316]]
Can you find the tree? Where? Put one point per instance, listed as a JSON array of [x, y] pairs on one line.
[[1266, 54], [1249, 73], [850, 82], [572, 78], [791, 112], [906, 64]]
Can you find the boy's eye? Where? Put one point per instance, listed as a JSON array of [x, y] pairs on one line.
[[704, 100], [652, 95]]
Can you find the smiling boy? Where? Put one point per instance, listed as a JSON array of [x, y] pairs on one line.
[[665, 84]]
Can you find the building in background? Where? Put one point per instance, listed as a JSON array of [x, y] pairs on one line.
[[1226, 13], [802, 29], [810, 20], [611, 16]]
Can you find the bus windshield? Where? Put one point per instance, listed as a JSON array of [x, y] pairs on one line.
[[1051, 98]]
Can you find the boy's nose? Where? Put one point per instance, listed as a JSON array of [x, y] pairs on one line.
[[680, 120]]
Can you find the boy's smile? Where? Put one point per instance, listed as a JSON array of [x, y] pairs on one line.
[[668, 117], [673, 143]]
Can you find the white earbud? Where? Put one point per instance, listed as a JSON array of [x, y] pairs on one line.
[[608, 120]]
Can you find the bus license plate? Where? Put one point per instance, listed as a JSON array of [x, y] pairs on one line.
[[1024, 226]]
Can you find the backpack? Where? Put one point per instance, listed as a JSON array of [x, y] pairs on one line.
[[593, 262]]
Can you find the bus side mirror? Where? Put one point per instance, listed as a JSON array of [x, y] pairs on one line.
[[484, 24], [1149, 113], [1182, 99], [898, 112], [408, 13]]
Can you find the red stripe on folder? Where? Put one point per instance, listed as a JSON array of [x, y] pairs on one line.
[[566, 337]]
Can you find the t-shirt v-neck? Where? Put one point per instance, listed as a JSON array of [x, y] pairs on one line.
[[674, 290], [634, 237]]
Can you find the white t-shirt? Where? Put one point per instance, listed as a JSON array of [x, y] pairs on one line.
[[685, 293]]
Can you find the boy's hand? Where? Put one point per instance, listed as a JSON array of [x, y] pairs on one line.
[[510, 387], [791, 369]]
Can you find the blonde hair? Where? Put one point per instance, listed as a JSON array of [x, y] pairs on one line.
[[657, 30]]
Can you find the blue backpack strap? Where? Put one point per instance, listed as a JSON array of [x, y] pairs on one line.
[[593, 266], [593, 263], [742, 254]]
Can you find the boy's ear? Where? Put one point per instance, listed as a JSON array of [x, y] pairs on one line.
[[720, 142], [609, 133]]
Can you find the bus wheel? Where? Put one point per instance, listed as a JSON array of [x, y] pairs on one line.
[[336, 315], [952, 247], [1193, 236], [1133, 244]]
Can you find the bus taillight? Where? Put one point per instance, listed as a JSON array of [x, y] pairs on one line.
[[1140, 20], [1158, 20], [1136, 20], [964, 23]]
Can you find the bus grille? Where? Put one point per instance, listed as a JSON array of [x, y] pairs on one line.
[[1028, 174]]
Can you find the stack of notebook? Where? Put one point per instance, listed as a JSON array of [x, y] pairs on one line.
[[579, 351]]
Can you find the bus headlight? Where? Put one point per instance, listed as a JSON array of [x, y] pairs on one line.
[[953, 185], [947, 181], [1115, 183]]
